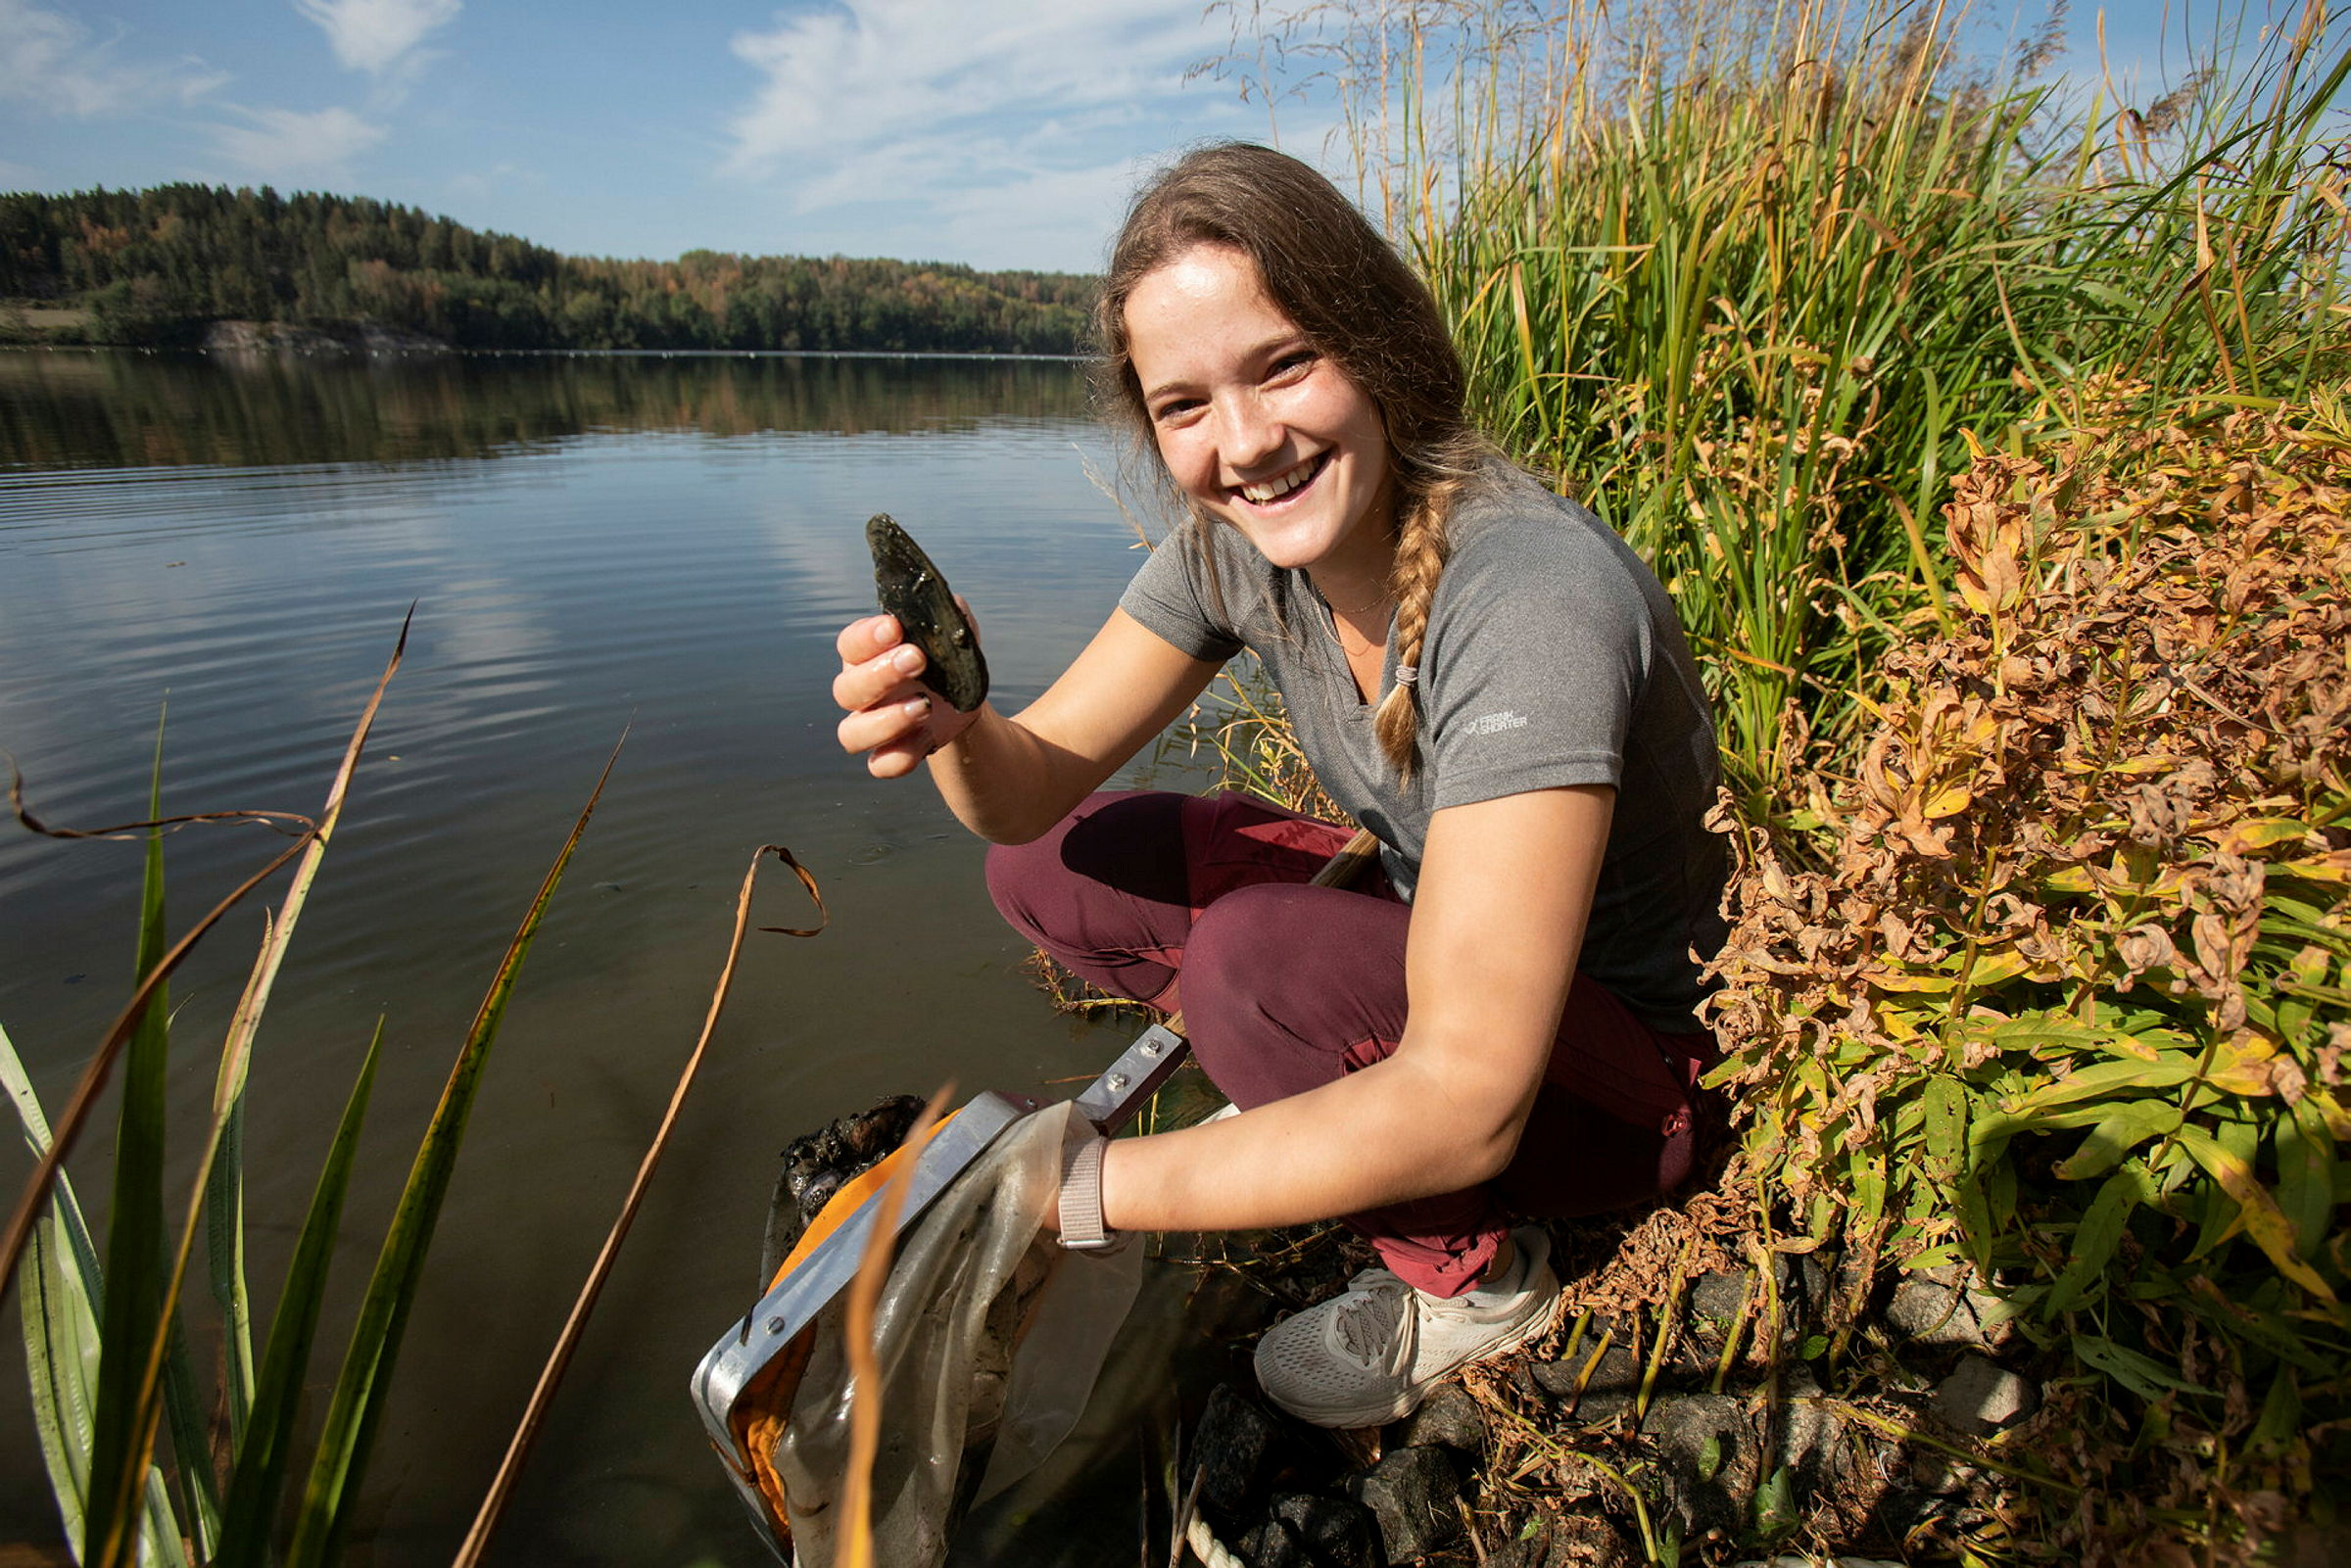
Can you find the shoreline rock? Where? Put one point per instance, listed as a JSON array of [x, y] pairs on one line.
[[327, 338]]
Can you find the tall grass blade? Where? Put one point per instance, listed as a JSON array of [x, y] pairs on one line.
[[63, 1294], [84, 1099], [356, 1408], [534, 1415], [223, 1179], [262, 1458], [60, 1316], [224, 1252], [165, 1373], [134, 1314]]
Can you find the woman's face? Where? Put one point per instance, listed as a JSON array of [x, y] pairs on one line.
[[1253, 424]]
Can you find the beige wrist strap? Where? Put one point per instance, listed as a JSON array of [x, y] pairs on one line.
[[1082, 1227]]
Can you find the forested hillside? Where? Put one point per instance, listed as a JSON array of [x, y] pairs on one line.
[[159, 266]]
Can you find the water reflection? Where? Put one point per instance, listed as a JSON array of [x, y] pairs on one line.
[[109, 409], [668, 545]]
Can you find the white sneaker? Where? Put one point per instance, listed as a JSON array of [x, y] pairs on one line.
[[1367, 1356]]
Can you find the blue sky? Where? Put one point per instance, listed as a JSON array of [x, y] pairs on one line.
[[999, 133]]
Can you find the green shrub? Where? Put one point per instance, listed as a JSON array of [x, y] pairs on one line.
[[2066, 988]]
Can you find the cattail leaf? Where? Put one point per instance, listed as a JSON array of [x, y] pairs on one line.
[[2116, 1135], [259, 1476], [2097, 1236], [1946, 1128], [355, 1410], [2142, 1375], [2261, 1217], [2306, 1177]]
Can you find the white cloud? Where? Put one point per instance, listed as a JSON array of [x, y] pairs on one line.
[[378, 35], [1010, 130], [279, 144], [51, 61]]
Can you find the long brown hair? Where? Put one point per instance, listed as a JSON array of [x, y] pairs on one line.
[[1324, 264]]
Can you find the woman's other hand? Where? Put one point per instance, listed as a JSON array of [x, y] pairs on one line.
[[895, 719]]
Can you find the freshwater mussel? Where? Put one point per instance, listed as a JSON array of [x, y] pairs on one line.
[[913, 589]]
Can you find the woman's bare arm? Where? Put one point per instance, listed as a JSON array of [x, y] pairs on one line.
[[1505, 890], [1011, 779]]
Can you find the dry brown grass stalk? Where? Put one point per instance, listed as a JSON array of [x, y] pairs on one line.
[[865, 1370], [534, 1415], [77, 1112]]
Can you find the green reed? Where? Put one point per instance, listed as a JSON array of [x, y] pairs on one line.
[[1747, 277]]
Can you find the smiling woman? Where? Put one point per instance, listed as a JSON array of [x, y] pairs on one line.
[[1500, 1028]]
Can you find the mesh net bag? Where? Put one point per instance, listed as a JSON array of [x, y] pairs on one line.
[[989, 1335]]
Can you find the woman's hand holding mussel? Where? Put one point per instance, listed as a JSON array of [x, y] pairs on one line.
[[894, 718]]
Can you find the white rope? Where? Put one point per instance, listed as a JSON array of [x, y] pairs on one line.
[[1211, 1551]]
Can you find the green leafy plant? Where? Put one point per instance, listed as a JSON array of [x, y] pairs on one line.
[[110, 1369], [2067, 989]]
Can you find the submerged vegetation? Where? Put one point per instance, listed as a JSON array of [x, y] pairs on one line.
[[1992, 444]]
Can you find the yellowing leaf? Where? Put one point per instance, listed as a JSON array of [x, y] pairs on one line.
[[2255, 834], [2333, 867], [2258, 1213], [1997, 968], [2242, 1067], [1949, 802]]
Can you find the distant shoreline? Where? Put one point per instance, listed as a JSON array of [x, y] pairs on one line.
[[443, 349]]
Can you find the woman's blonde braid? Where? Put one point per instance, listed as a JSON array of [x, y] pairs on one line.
[[1421, 550]]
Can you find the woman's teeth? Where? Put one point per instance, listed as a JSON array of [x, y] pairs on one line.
[[1280, 484]]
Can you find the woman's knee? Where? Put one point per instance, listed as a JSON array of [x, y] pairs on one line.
[[1286, 986], [1106, 882]]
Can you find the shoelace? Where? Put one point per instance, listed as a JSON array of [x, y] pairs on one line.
[[1369, 1318]]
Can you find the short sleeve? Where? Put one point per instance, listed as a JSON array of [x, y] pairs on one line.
[[1532, 672], [1171, 598]]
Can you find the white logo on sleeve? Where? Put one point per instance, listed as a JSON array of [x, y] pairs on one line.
[[1494, 723]]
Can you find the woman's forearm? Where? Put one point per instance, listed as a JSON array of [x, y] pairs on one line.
[[1382, 1135], [1007, 783]]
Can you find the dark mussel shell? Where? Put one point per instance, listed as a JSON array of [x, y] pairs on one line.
[[911, 589]]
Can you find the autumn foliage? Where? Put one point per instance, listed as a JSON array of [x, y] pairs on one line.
[[2063, 987]]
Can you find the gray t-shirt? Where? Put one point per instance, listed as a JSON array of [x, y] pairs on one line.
[[1553, 658]]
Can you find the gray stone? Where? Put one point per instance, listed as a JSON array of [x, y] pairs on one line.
[[1982, 1398], [1412, 1492], [1708, 1452], [1302, 1530], [1812, 1439], [1235, 1449], [1449, 1418], [1803, 1286], [1945, 1307], [1608, 1392], [1718, 1296]]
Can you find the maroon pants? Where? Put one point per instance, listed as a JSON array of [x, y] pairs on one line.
[[1286, 987]]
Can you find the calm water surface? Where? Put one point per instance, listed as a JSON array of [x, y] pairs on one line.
[[663, 546]]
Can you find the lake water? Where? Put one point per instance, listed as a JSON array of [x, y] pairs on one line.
[[665, 545]]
